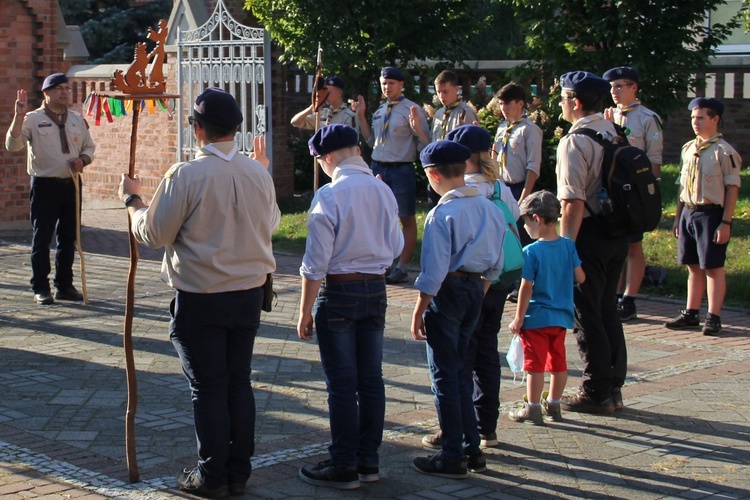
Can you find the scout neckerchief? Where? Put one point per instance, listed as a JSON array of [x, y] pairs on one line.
[[335, 112], [59, 120], [695, 163], [624, 110], [226, 157], [448, 110], [387, 119], [506, 138]]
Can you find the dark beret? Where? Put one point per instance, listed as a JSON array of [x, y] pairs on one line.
[[391, 73], [54, 80], [707, 102], [585, 82], [335, 81], [217, 107], [473, 137], [332, 138], [443, 153], [622, 73]]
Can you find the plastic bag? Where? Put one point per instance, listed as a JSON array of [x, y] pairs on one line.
[[515, 358]]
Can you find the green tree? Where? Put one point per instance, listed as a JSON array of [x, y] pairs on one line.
[[111, 28]]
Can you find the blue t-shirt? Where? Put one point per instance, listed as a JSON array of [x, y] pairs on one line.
[[549, 265]]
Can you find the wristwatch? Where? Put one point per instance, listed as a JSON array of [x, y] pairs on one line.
[[130, 199]]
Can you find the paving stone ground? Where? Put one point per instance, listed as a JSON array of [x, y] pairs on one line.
[[684, 433]]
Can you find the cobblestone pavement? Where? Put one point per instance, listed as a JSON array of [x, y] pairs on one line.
[[684, 433]]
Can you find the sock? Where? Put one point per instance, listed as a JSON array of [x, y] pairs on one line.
[[534, 404], [401, 266], [552, 401], [692, 312]]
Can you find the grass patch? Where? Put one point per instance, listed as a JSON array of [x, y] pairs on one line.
[[659, 246]]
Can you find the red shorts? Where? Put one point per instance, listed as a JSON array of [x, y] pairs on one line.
[[544, 349]]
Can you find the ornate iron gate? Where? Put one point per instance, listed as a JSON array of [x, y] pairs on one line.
[[223, 53]]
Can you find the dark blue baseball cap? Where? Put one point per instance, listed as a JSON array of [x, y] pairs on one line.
[[473, 137], [217, 107], [332, 138], [443, 153], [708, 103], [54, 80], [391, 73], [584, 82], [622, 73]]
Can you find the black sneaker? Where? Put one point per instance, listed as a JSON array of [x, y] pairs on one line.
[[44, 298], [683, 321], [368, 474], [513, 296], [396, 276], [476, 462], [712, 327], [626, 310], [68, 293], [237, 489], [437, 465], [189, 480], [325, 474], [487, 440], [617, 399], [582, 403]]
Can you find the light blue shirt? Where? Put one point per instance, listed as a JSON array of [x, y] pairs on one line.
[[549, 265], [464, 232], [352, 225]]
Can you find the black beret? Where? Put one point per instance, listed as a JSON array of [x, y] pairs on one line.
[[585, 82], [391, 73], [217, 107], [54, 80], [622, 73], [443, 153], [707, 102], [335, 81], [332, 138], [473, 137]]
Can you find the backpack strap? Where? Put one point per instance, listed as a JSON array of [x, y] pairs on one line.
[[591, 134]]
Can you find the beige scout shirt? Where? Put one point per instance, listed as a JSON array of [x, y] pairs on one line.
[[215, 215], [345, 116], [403, 143], [579, 162], [524, 150], [45, 157], [719, 166], [462, 115], [643, 130]]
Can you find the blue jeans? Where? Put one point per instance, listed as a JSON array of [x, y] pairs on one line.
[[350, 320], [449, 323], [214, 335]]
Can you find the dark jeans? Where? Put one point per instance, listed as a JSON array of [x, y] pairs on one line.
[[483, 358], [449, 323], [350, 320], [53, 204], [601, 342], [213, 335]]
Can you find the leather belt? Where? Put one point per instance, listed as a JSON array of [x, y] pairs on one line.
[[392, 163], [702, 208], [465, 276], [63, 180], [340, 278]]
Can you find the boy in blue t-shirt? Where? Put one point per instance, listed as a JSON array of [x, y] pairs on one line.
[[545, 307]]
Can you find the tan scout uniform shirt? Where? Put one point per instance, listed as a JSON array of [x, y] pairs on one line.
[[45, 156], [524, 150], [215, 215], [643, 130], [345, 116], [579, 163], [462, 115], [719, 166], [402, 144]]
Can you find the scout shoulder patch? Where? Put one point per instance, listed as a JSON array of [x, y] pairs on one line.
[[172, 170]]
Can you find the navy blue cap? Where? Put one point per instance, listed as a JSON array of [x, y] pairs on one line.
[[708, 103], [217, 107], [473, 137], [332, 138], [391, 73], [54, 80], [335, 81], [622, 73], [443, 153], [584, 82]]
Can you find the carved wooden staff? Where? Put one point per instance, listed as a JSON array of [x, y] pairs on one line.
[[77, 182], [316, 110]]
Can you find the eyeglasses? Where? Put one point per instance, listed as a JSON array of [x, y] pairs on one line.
[[620, 87]]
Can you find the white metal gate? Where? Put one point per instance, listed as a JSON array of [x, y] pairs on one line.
[[223, 53]]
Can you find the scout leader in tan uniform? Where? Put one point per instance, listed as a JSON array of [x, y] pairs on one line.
[[57, 139], [709, 187], [643, 130], [336, 110], [215, 216]]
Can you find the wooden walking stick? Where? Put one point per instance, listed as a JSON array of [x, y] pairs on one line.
[[133, 86], [77, 182], [316, 110]]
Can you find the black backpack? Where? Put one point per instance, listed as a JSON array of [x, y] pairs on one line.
[[631, 186]]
